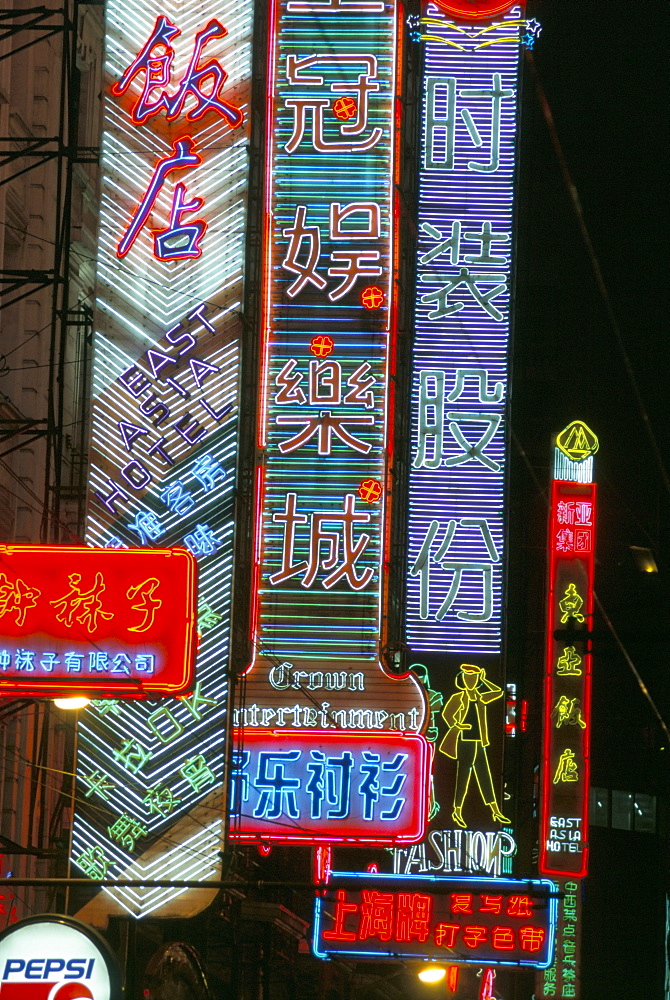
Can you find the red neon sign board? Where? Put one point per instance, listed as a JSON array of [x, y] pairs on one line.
[[567, 684], [480, 921], [104, 622]]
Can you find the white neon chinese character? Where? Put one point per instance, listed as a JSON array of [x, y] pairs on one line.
[[422, 564]]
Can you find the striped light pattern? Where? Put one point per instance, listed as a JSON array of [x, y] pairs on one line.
[[295, 619], [164, 451], [456, 495], [323, 428]]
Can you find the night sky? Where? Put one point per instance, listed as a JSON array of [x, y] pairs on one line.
[[604, 69]]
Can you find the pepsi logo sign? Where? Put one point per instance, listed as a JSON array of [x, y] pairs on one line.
[[56, 958]]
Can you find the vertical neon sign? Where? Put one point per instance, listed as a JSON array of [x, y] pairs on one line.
[[454, 617], [170, 271], [456, 544], [567, 684], [324, 450]]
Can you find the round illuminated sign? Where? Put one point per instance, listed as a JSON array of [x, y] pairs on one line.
[[50, 957], [473, 10]]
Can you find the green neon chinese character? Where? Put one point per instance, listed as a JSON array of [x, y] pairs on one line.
[[160, 800], [94, 862], [126, 830], [132, 755], [99, 783]]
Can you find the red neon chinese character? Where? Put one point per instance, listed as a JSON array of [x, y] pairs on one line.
[[376, 915], [445, 935], [532, 938], [413, 917], [461, 902], [520, 906], [370, 490], [452, 978], [155, 61], [473, 935], [502, 938], [342, 910], [491, 904], [372, 297], [321, 346], [183, 156], [345, 108], [149, 604]]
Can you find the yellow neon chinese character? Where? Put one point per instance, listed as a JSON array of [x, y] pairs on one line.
[[83, 606], [149, 604], [571, 604], [569, 662], [567, 768], [567, 712]]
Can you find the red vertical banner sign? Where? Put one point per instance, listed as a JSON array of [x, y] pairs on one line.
[[567, 682]]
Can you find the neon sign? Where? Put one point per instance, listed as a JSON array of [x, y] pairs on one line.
[[567, 686], [323, 480], [164, 442], [562, 977], [473, 11], [104, 623], [482, 921], [316, 781], [456, 545]]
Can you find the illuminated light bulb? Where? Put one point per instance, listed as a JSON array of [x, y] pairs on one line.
[[73, 702], [432, 974]]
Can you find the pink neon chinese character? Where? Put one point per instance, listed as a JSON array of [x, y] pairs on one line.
[[565, 539], [155, 61], [183, 156]]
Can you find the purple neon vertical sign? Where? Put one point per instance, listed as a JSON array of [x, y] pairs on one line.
[[459, 391]]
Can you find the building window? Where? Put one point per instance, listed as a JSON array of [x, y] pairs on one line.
[[600, 807], [644, 813], [621, 810]]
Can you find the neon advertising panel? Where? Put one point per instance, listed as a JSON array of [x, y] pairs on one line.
[[325, 452], [465, 920], [105, 623], [563, 977], [164, 440], [455, 560], [567, 682]]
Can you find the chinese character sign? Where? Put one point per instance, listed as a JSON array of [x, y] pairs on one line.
[[114, 623], [459, 392], [313, 782], [567, 689], [562, 978], [482, 921], [165, 418], [323, 489]]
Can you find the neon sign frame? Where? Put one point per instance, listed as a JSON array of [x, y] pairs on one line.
[[114, 623], [567, 681]]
